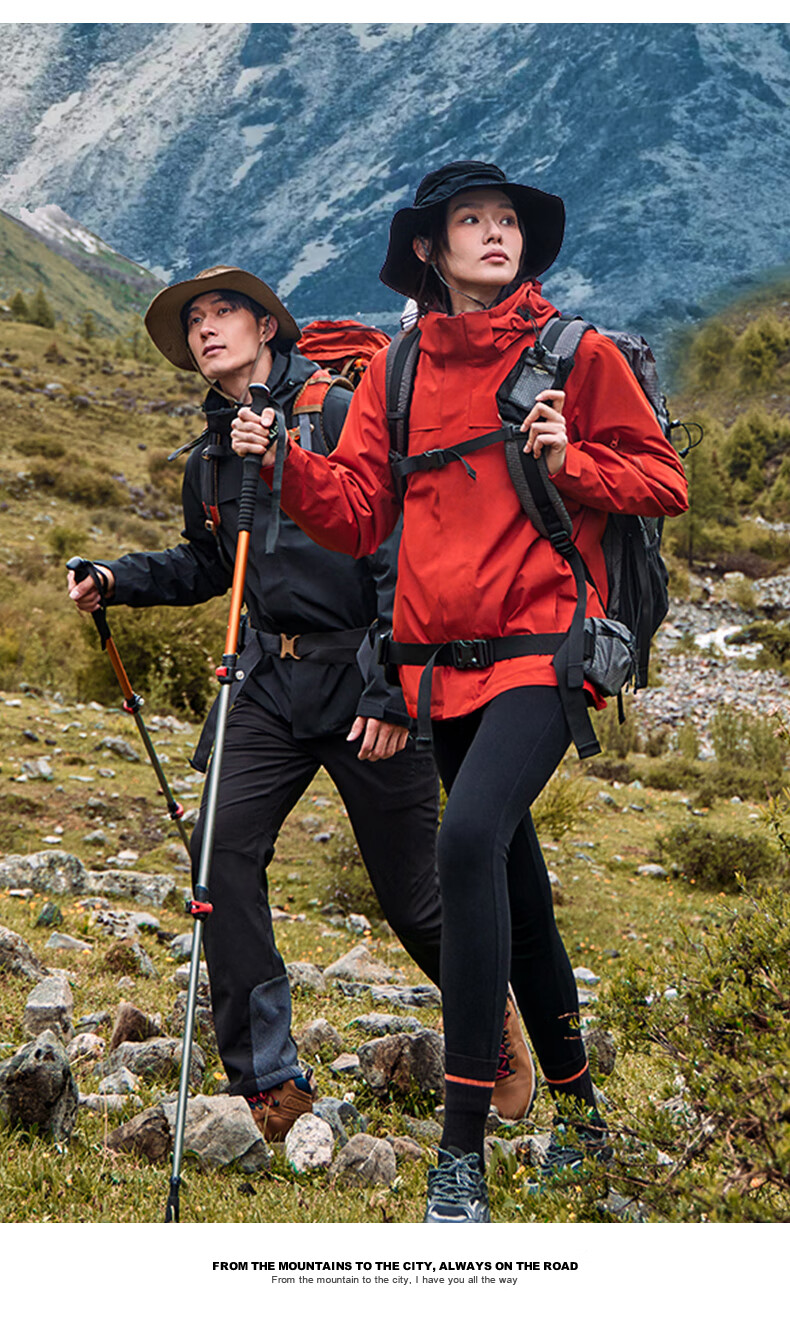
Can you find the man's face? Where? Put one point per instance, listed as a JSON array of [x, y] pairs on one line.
[[225, 341]]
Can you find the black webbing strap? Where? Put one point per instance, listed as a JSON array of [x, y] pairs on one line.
[[463, 654], [440, 456], [401, 370], [273, 526], [328, 646]]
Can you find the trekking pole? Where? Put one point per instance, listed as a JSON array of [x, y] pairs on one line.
[[132, 703], [199, 905]]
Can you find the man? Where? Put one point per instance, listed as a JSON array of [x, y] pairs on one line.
[[312, 694]]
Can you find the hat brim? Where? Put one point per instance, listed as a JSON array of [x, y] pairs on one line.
[[542, 215], [163, 317]]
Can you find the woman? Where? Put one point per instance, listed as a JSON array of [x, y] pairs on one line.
[[472, 566]]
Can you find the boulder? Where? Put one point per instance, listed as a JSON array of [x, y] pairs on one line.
[[132, 1026], [46, 872], [127, 957], [309, 1144], [18, 958], [360, 964], [218, 1130], [341, 1115], [157, 1059], [50, 1006], [318, 1040], [304, 975], [366, 1161], [403, 1062], [37, 1088]]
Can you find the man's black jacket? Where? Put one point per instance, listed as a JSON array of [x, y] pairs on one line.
[[299, 588]]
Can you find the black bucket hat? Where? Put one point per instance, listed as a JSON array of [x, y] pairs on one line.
[[541, 214]]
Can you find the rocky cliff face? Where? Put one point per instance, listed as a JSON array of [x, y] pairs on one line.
[[286, 148]]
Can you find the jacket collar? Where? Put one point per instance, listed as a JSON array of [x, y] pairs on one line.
[[486, 331]]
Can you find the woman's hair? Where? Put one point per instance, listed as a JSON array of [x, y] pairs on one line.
[[432, 295]]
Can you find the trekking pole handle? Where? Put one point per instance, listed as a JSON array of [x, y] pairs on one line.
[[261, 397], [81, 569]]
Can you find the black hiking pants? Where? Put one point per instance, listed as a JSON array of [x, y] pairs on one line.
[[392, 807], [497, 914]]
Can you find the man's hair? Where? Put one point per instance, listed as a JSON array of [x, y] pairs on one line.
[[235, 298]]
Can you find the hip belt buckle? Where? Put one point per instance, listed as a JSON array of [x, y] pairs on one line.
[[471, 654], [288, 646]]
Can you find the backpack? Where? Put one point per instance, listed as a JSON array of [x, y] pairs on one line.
[[342, 350], [611, 652]]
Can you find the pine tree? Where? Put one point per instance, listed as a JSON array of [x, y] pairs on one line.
[[19, 307], [41, 314]]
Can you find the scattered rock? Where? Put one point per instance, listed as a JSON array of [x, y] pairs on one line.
[[132, 1026], [341, 1115], [145, 889], [85, 1048], [49, 915], [110, 1103], [181, 945], [386, 1023], [46, 872], [406, 996], [218, 1131], [37, 1088], [147, 1135], [309, 1144], [65, 943], [652, 871], [181, 979], [159, 1058], [403, 1062], [318, 1040], [360, 964], [406, 1148], [17, 957], [49, 1008], [117, 746], [345, 1065], [584, 976], [304, 975], [129, 958], [38, 768], [366, 1161], [122, 1082], [92, 1021]]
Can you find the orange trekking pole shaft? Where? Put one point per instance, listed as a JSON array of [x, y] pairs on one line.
[[132, 703]]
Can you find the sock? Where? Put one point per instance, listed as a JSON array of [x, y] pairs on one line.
[[465, 1113]]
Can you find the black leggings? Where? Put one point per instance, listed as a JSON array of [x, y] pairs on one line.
[[497, 913]]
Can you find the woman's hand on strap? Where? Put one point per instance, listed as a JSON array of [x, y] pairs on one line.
[[545, 426], [250, 435]]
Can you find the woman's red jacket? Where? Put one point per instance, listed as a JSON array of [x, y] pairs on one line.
[[471, 563]]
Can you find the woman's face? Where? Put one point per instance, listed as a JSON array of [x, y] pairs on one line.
[[225, 341], [483, 245]]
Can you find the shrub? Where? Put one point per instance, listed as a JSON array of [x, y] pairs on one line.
[[560, 806], [48, 448], [759, 349], [78, 483], [713, 859], [40, 312], [710, 352], [747, 740], [616, 738], [167, 655], [723, 1042]]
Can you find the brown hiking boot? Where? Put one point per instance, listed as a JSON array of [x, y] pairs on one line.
[[514, 1091], [275, 1111]]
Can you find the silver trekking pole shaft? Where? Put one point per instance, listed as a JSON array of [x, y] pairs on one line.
[[199, 905]]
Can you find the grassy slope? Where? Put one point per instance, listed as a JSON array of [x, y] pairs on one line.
[[26, 263]]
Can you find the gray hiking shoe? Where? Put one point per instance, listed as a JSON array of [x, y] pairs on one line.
[[457, 1192], [568, 1149]]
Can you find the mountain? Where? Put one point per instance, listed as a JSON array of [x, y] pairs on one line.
[[78, 271], [286, 147]]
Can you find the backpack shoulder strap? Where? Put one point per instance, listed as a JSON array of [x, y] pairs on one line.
[[307, 409], [401, 370]]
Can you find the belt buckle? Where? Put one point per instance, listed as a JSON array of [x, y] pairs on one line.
[[471, 654], [288, 647]]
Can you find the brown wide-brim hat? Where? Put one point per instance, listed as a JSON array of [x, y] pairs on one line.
[[541, 214], [163, 318]]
